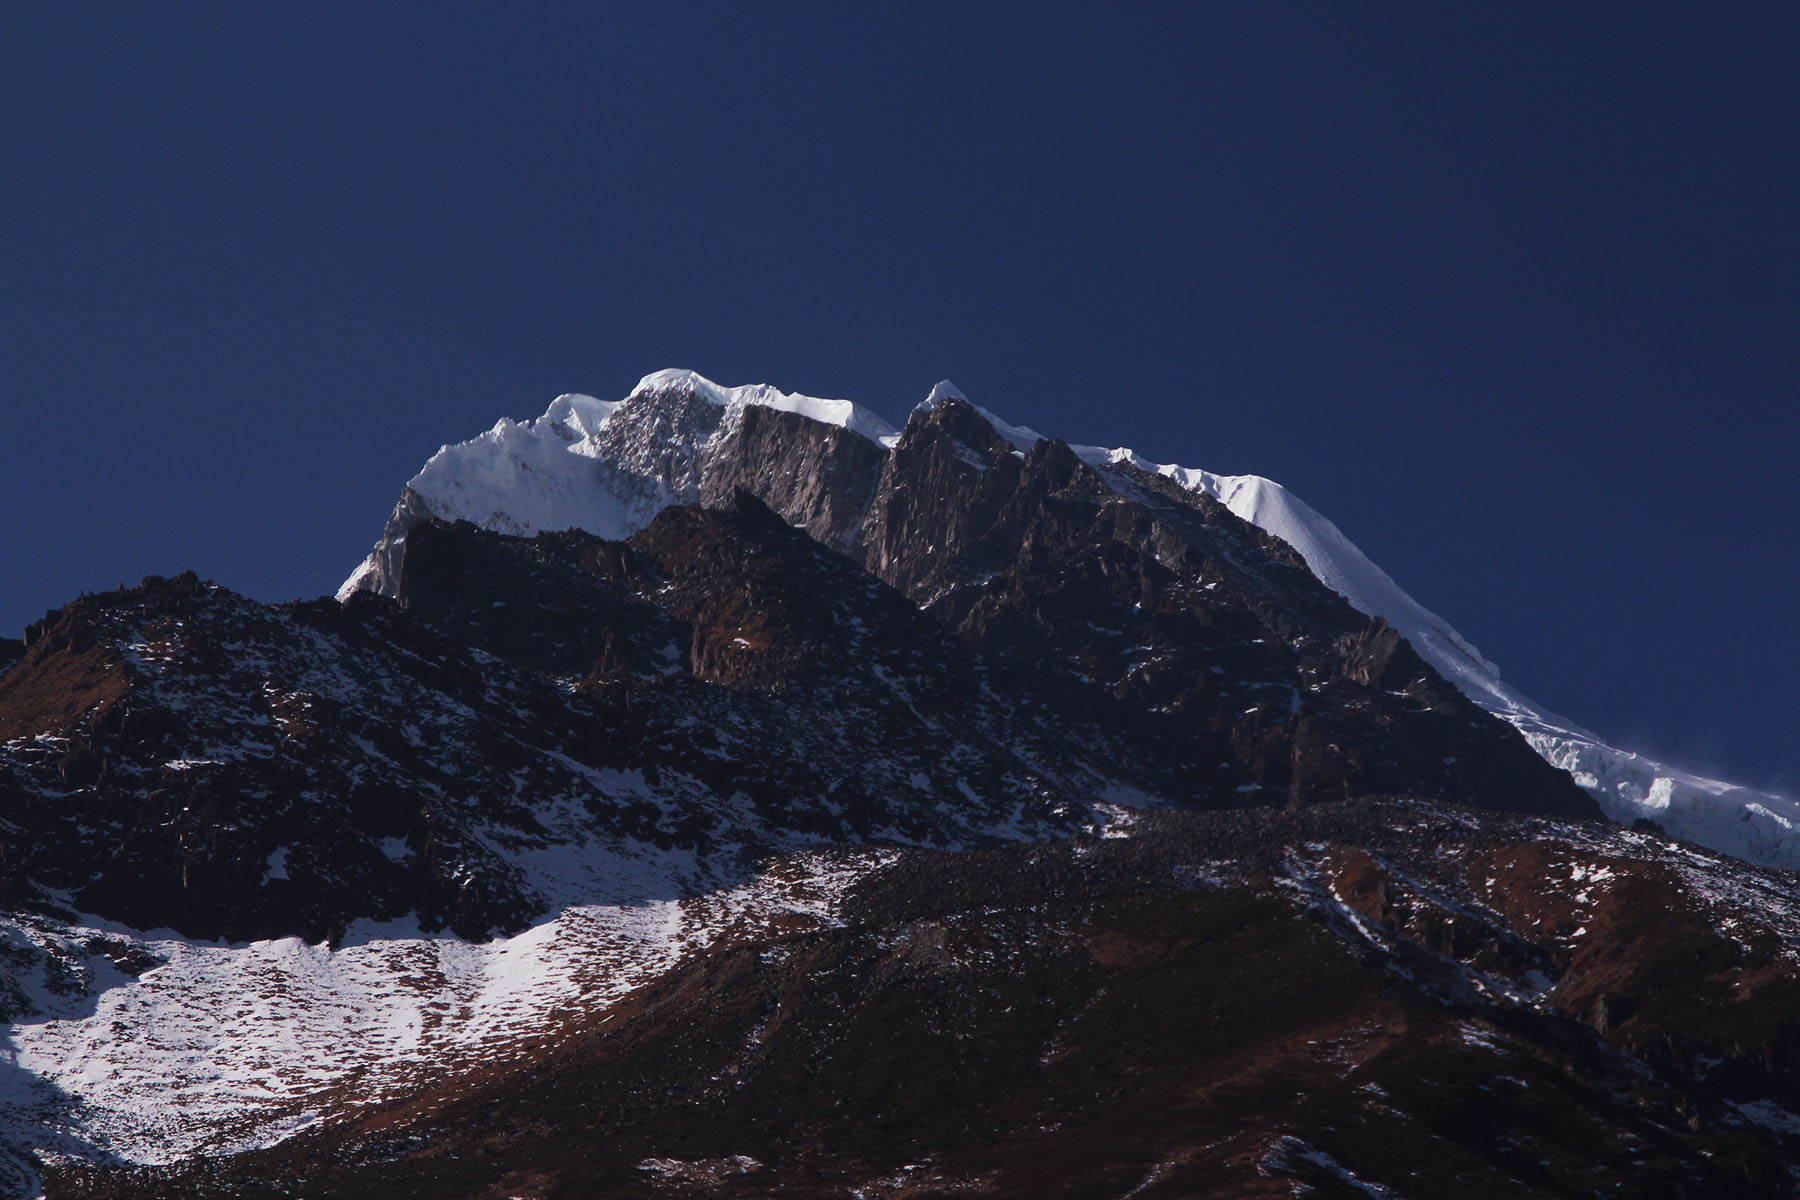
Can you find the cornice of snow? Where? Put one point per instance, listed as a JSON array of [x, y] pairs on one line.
[[841, 413]]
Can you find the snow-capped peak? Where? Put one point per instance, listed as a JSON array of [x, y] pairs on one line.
[[943, 390], [577, 467], [1022, 437], [583, 416], [605, 466]]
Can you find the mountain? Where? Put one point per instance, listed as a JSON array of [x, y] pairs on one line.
[[583, 477], [723, 792]]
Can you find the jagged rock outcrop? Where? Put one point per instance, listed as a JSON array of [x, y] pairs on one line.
[[818, 478]]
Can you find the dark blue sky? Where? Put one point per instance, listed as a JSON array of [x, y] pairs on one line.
[[1510, 292]]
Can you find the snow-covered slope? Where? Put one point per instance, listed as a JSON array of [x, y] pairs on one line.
[[222, 1047], [560, 472]]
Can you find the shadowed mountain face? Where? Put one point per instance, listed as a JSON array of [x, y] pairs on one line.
[[924, 505], [718, 687], [754, 852], [1205, 637]]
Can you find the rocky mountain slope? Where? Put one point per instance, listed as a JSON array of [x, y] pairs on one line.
[[1382, 997], [722, 792]]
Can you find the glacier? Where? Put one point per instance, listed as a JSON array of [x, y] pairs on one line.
[[552, 473]]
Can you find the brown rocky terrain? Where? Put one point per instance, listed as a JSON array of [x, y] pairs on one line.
[[1349, 999]]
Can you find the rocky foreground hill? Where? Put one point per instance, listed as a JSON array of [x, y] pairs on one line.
[[724, 793]]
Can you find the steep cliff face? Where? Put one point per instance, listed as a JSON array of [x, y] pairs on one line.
[[817, 478], [184, 757], [1203, 636]]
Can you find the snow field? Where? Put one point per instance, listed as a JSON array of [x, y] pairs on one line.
[[228, 1047]]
